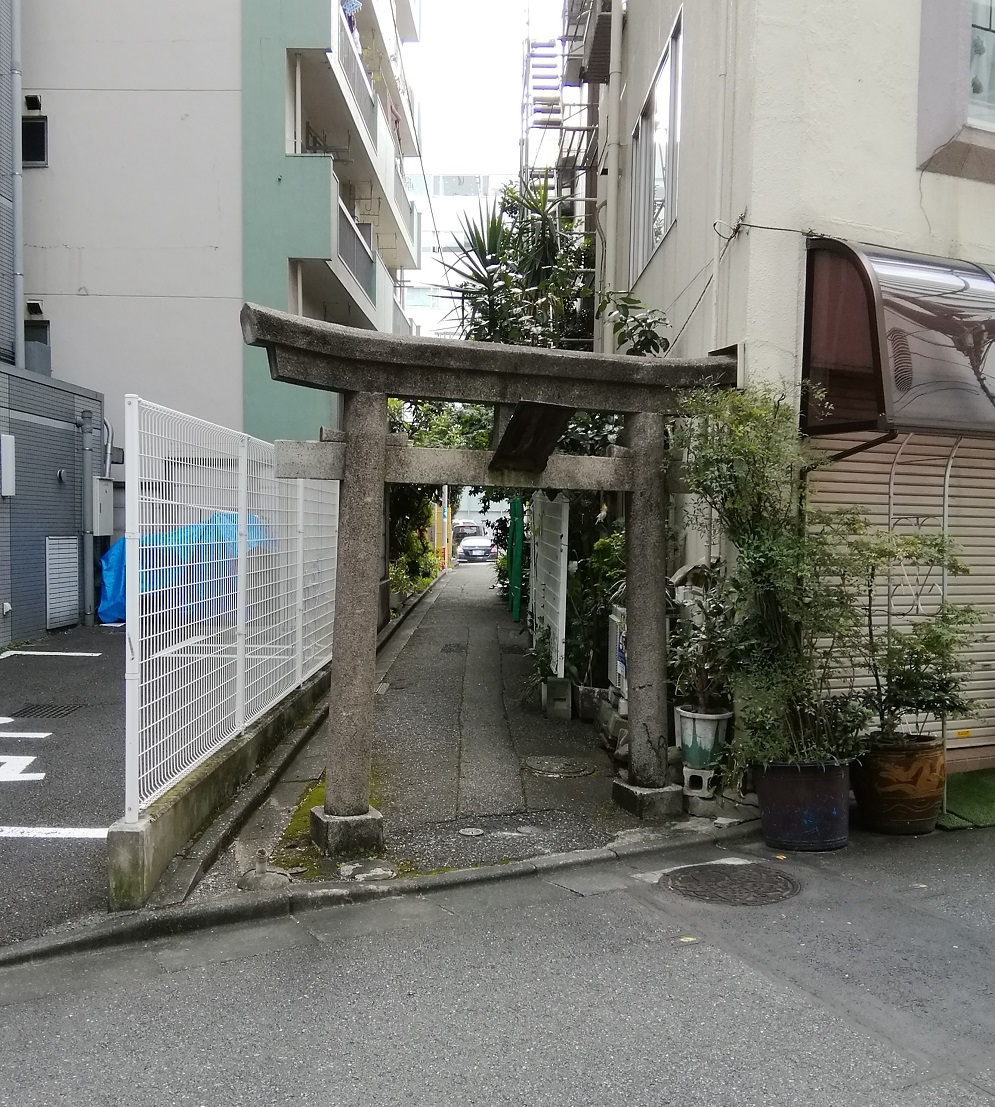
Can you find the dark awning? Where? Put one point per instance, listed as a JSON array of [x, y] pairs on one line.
[[898, 341]]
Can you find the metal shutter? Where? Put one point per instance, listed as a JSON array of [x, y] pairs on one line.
[[61, 582], [921, 482]]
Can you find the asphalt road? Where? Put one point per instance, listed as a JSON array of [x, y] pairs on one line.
[[63, 772], [872, 986]]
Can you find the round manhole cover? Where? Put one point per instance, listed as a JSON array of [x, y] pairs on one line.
[[559, 766], [734, 885]]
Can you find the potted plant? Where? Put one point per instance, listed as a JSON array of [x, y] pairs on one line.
[[400, 584], [698, 656], [917, 677], [797, 611]]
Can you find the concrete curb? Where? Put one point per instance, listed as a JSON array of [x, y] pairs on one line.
[[149, 925]]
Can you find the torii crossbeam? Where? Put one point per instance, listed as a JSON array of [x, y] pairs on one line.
[[367, 367]]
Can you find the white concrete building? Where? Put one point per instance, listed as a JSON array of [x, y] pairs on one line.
[[740, 148], [187, 157]]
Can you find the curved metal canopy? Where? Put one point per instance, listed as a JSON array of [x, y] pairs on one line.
[[898, 341]]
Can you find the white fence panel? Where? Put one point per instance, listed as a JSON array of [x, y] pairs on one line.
[[230, 590], [548, 582]]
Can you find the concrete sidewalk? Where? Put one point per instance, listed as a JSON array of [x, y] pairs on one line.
[[453, 747]]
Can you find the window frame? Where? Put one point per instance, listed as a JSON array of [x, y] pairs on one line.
[[43, 120], [644, 240], [983, 122]]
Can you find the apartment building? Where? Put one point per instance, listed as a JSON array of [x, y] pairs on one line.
[[187, 157], [176, 160], [814, 185]]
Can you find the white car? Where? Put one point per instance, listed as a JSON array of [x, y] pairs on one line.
[[477, 548]]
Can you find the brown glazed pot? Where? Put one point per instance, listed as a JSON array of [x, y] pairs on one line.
[[900, 790]]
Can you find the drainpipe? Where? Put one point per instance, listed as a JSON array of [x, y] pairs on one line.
[[720, 169], [613, 150], [86, 421], [17, 180]]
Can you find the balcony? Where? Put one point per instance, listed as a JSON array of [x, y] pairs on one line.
[[351, 61], [355, 249], [402, 324]]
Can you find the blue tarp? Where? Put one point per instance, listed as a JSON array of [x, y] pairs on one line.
[[192, 569]]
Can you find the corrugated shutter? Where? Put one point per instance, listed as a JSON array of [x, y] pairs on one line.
[[916, 468], [62, 581]]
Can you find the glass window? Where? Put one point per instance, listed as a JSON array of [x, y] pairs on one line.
[[655, 143], [34, 140], [982, 102]]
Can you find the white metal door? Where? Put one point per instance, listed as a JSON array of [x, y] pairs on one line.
[[61, 582]]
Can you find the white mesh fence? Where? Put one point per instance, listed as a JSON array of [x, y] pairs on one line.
[[229, 594]]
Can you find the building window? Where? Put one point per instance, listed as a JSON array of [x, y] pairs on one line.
[[982, 103], [655, 146], [34, 140]]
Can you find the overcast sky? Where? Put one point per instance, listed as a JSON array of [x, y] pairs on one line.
[[466, 74]]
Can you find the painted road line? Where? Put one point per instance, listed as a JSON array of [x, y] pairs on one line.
[[25, 734], [12, 768], [53, 832], [43, 653]]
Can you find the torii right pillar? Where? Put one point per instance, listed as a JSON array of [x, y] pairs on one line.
[[648, 792]]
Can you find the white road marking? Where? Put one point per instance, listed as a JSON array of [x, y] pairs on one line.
[[655, 876], [53, 832], [12, 768], [4, 720], [25, 733], [43, 653]]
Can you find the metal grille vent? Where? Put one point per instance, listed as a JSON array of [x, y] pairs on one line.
[[45, 710]]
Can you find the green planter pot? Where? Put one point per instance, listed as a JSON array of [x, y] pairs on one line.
[[700, 736]]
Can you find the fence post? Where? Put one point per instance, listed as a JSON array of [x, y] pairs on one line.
[[241, 579], [132, 605], [299, 644], [561, 585]]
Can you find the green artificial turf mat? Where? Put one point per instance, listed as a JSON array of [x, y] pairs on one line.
[[971, 796], [950, 821]]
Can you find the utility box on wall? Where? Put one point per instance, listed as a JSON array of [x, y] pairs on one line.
[[103, 507]]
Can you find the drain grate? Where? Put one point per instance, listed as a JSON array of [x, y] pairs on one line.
[[559, 766], [734, 885], [45, 710], [454, 647]]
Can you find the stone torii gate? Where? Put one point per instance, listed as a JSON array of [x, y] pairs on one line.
[[534, 391]]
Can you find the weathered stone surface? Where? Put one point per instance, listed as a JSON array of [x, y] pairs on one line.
[[649, 803], [646, 619], [426, 465], [354, 642], [347, 835], [347, 359]]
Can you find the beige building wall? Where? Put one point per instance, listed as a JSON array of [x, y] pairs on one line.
[[133, 232], [815, 127]]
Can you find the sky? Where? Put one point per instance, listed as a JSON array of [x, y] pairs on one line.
[[466, 73]]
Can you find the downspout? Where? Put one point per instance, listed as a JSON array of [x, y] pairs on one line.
[[17, 179], [720, 169], [613, 151]]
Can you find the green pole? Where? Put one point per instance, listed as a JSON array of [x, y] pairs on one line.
[[517, 541]]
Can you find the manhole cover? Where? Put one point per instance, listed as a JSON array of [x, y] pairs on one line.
[[45, 710], [559, 766], [735, 885], [454, 647]]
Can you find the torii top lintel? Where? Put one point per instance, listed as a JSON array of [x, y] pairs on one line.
[[346, 359]]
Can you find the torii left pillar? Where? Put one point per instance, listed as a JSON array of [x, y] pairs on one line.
[[346, 825]]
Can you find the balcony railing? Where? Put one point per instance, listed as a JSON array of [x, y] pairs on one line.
[[406, 207], [356, 253], [355, 73], [402, 324]]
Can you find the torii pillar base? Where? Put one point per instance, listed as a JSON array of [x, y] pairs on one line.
[[347, 836]]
